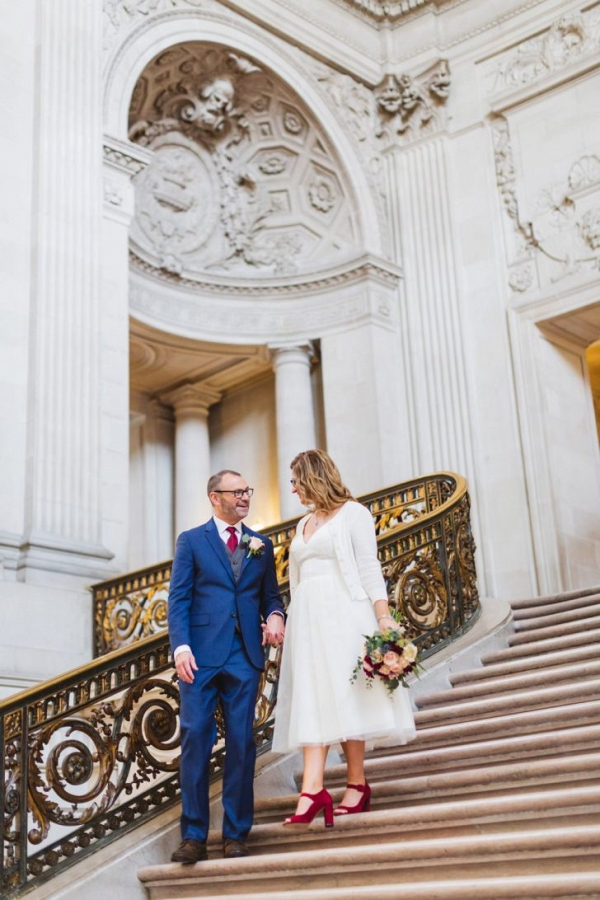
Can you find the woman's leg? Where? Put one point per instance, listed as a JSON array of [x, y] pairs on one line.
[[354, 751], [312, 776]]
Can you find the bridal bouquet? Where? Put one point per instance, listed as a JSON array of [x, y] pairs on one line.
[[388, 655]]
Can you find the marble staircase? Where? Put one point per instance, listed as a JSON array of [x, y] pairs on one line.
[[499, 796]]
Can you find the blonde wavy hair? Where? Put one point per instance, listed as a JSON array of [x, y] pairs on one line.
[[319, 479]]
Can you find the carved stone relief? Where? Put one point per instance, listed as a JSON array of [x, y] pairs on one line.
[[562, 237], [409, 107], [571, 38], [241, 179], [120, 15], [402, 108]]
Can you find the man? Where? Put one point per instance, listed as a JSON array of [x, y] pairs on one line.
[[222, 584]]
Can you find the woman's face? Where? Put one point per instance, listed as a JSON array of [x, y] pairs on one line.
[[297, 489]]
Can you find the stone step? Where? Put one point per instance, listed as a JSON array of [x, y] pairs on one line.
[[580, 805], [481, 753], [582, 613], [520, 615], [578, 886], [506, 853], [527, 722], [513, 683], [581, 638], [526, 602], [547, 661], [428, 787], [555, 695], [554, 631]]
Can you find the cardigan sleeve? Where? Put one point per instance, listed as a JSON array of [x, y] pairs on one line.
[[364, 545]]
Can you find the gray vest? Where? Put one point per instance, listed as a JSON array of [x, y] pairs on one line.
[[236, 559]]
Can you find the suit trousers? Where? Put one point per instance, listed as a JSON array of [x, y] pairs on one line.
[[236, 685]]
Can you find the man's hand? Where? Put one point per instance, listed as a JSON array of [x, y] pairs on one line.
[[273, 630], [185, 666]]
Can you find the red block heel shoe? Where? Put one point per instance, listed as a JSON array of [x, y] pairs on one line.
[[320, 801], [363, 805]]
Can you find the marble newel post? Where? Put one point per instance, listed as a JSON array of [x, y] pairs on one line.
[[191, 403], [295, 414]]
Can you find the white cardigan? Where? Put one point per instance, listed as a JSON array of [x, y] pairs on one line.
[[356, 552]]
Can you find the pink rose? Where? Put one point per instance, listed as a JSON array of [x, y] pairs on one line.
[[396, 669], [384, 670], [391, 659]]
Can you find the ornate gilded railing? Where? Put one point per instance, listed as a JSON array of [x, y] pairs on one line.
[[90, 755]]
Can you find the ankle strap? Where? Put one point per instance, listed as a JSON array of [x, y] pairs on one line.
[[358, 787], [312, 796]]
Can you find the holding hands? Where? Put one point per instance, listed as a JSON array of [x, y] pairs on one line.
[[273, 630], [185, 666]]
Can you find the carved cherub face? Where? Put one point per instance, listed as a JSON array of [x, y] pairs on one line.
[[389, 98], [218, 96]]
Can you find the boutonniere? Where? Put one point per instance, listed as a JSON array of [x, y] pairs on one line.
[[256, 547]]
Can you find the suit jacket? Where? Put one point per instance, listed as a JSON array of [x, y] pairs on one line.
[[206, 603]]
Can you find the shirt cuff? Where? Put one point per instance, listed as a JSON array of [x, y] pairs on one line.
[[181, 649], [276, 612]]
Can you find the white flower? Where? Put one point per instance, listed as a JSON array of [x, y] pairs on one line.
[[410, 652]]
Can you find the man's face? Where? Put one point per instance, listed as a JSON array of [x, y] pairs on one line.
[[226, 505]]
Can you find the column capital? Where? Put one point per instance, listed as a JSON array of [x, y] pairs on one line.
[[191, 399], [160, 410], [292, 351]]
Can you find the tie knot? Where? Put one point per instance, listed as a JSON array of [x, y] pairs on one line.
[[232, 540]]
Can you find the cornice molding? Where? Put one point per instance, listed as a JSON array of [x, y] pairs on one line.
[[351, 272]]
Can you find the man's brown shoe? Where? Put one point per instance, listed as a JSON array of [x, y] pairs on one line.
[[234, 849], [189, 852]]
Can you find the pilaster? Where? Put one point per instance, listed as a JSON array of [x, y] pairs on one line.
[[64, 474]]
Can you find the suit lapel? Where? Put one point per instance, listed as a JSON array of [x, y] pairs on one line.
[[212, 535], [246, 555]]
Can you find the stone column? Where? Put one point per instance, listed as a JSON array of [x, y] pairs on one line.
[[63, 533], [121, 162], [191, 403], [295, 414]]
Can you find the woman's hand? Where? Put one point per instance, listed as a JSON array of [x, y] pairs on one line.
[[385, 622]]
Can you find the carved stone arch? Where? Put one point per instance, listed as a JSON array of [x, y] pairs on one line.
[[155, 35]]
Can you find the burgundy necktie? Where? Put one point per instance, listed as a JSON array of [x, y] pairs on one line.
[[232, 540]]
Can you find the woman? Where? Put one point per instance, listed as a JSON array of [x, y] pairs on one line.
[[338, 595]]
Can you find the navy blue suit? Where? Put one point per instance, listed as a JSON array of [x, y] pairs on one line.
[[220, 620]]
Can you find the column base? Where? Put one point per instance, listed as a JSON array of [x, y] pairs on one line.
[[48, 560]]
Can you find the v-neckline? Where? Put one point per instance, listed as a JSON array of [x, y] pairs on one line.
[[307, 542]]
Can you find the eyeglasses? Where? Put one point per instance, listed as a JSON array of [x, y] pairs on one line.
[[239, 493]]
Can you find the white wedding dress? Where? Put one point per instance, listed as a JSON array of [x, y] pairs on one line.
[[316, 702]]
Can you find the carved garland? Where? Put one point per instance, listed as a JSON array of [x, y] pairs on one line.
[[558, 213]]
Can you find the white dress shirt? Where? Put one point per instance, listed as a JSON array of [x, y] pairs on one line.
[[224, 534]]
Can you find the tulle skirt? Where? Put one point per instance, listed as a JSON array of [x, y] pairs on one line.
[[317, 703]]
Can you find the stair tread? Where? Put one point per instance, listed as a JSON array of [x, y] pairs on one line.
[[576, 885], [580, 614], [542, 696], [582, 838], [523, 650], [557, 607], [571, 671], [525, 664], [524, 602], [531, 636], [517, 744]]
